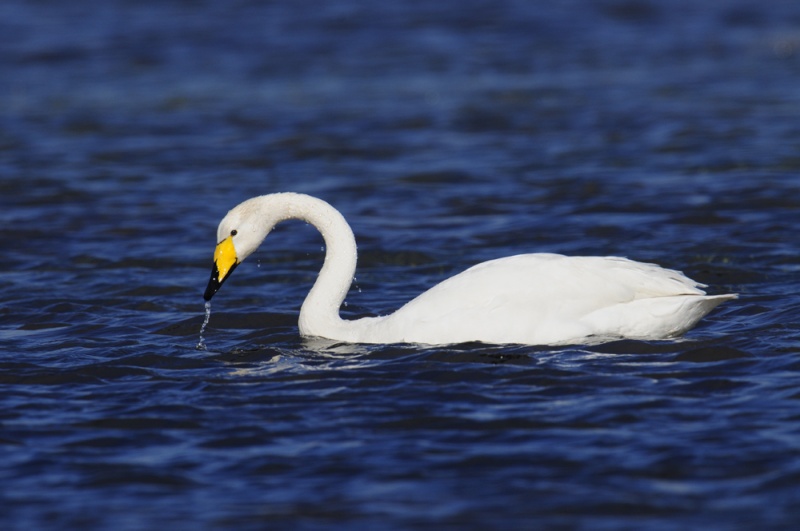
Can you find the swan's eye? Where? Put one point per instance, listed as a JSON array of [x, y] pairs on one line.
[[234, 232]]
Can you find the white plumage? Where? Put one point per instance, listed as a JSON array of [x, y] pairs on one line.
[[537, 299]]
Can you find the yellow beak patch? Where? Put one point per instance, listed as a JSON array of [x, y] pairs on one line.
[[225, 258], [225, 261]]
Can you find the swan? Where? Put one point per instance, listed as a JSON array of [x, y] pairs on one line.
[[534, 299]]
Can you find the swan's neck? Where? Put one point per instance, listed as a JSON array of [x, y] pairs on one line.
[[319, 315]]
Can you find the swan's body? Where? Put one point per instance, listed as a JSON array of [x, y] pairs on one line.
[[537, 299]]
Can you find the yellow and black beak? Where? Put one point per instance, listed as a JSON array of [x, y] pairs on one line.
[[225, 261]]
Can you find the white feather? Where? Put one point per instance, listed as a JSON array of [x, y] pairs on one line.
[[538, 299]]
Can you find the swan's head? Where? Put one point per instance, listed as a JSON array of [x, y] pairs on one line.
[[239, 233]]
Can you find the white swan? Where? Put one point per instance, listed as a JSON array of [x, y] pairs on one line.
[[537, 299]]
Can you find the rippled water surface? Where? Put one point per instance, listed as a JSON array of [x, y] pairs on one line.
[[447, 133]]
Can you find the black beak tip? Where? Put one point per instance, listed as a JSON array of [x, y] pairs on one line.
[[213, 284], [210, 291]]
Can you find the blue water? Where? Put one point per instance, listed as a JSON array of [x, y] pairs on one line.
[[447, 133]]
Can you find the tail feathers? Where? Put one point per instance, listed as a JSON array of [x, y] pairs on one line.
[[654, 318], [699, 308], [712, 301]]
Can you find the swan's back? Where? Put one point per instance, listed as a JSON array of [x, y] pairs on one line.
[[552, 299]]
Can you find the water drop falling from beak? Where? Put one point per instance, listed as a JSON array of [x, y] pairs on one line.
[[201, 345]]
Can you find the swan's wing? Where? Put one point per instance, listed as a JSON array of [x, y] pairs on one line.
[[535, 297], [645, 280], [533, 278]]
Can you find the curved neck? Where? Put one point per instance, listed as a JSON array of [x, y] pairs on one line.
[[320, 311]]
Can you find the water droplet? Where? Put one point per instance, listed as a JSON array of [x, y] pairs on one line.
[[201, 345]]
